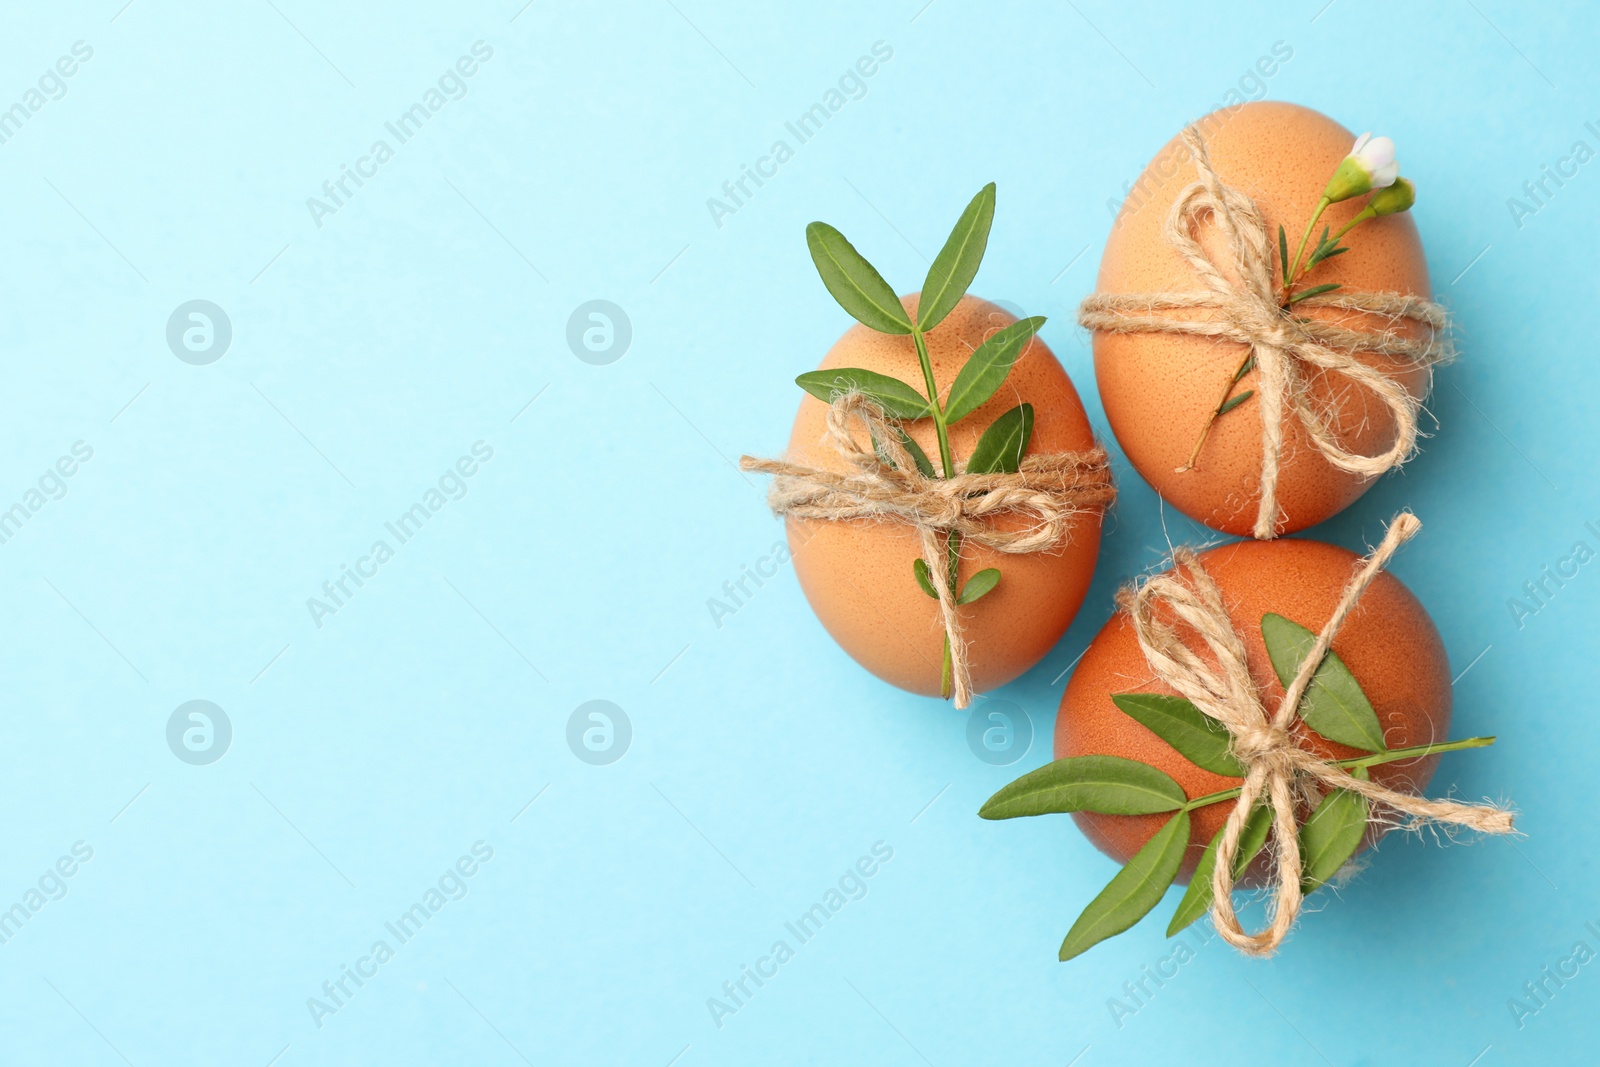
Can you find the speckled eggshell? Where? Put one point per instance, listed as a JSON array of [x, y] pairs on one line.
[[1388, 642], [857, 575], [1158, 389]]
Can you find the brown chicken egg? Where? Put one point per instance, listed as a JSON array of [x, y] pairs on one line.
[[1389, 643], [1159, 389], [858, 575]]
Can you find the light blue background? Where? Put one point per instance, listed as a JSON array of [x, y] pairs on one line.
[[369, 353]]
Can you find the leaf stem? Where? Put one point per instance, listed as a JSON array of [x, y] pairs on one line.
[[945, 670], [1362, 216], [1392, 755], [934, 407], [1288, 278], [948, 466], [1216, 413]]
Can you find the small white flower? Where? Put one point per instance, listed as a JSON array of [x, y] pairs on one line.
[[1370, 165], [1376, 155]]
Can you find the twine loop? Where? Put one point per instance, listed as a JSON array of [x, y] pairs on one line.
[[1290, 350], [1050, 492], [1278, 772]]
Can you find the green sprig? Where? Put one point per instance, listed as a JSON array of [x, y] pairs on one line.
[[862, 292], [1334, 706], [1291, 271]]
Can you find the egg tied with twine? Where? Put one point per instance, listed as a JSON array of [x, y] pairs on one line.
[[1290, 350], [881, 482], [1278, 771]]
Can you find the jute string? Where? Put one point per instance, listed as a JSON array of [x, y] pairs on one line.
[[1051, 492], [1289, 349], [1278, 771]]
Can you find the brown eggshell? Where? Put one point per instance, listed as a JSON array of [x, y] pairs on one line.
[[1388, 642], [858, 575], [1159, 389]]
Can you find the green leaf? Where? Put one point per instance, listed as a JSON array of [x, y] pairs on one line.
[[1245, 368], [987, 367], [881, 452], [1332, 834], [1198, 897], [919, 567], [1283, 252], [1137, 888], [895, 397], [1234, 401], [978, 585], [1334, 705], [918, 456], [1325, 254], [855, 283], [1107, 784], [1199, 738], [1315, 290], [957, 262], [1002, 445]]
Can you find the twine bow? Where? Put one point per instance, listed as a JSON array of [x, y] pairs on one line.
[[1277, 769], [1288, 350], [1051, 491]]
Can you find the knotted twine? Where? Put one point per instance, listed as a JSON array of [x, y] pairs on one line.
[[1288, 349], [1051, 491], [1277, 769]]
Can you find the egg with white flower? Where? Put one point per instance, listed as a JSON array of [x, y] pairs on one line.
[[1161, 390]]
